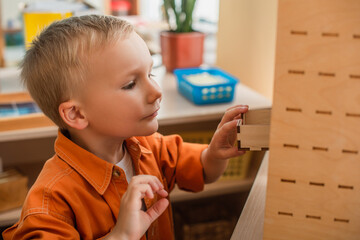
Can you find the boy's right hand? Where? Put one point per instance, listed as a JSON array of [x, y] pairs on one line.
[[132, 221]]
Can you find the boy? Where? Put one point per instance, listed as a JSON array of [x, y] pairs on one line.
[[92, 76]]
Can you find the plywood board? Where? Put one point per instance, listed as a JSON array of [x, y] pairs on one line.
[[313, 179], [253, 130]]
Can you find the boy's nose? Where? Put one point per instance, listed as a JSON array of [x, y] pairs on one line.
[[154, 92]]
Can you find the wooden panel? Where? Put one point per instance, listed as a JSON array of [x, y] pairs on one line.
[[13, 189], [253, 137], [257, 116], [34, 120], [313, 179], [246, 42], [253, 130], [15, 97]]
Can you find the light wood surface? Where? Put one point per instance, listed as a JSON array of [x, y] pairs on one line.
[[257, 117], [253, 130], [251, 221], [13, 189], [313, 183], [253, 137], [15, 97], [214, 189], [246, 42]]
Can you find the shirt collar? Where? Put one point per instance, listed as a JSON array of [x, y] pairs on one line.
[[95, 170]]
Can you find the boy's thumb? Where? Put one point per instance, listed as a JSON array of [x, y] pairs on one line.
[[157, 209]]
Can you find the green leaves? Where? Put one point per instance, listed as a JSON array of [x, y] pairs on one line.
[[180, 16]]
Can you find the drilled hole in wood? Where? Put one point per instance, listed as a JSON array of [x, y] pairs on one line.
[[285, 213], [352, 114], [323, 112], [294, 32], [350, 151], [329, 34], [356, 36], [326, 74], [296, 72], [354, 76], [288, 180], [320, 149], [317, 184], [346, 187], [291, 146], [313, 217], [293, 109], [341, 220]]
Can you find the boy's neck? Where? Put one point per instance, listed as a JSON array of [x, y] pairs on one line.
[[108, 149]]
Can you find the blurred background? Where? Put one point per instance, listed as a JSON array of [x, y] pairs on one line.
[[146, 15]]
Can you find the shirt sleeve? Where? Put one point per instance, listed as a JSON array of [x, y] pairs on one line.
[[180, 163], [41, 226]]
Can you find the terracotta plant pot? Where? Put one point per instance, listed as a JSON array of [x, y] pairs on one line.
[[182, 50]]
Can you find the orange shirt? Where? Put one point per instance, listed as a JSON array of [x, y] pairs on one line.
[[77, 195]]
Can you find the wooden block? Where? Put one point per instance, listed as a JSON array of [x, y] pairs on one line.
[[13, 189], [254, 137], [257, 117], [253, 130]]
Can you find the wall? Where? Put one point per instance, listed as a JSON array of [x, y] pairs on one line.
[[246, 42]]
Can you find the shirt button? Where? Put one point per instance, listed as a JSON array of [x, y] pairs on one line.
[[116, 173]]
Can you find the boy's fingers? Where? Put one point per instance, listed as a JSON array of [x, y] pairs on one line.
[[232, 113], [140, 191], [236, 106], [162, 193], [157, 209], [229, 127], [149, 179]]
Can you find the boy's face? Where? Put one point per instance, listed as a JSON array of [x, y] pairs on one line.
[[120, 98]]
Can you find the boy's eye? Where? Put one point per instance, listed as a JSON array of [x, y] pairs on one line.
[[151, 75], [131, 85]]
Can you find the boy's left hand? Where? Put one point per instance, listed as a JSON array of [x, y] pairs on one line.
[[222, 145]]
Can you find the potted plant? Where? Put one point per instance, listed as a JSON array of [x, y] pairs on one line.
[[181, 46]]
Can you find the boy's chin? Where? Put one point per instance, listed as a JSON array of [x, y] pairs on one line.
[[151, 129]]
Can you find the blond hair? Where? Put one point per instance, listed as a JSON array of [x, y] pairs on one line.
[[55, 65]]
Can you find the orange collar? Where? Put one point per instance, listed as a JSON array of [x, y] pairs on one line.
[[95, 170]]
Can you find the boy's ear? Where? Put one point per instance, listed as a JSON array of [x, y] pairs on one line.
[[72, 116]]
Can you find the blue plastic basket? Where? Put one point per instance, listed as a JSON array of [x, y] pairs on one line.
[[207, 94]]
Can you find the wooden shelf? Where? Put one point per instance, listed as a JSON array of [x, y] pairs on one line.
[[215, 189], [10, 217], [218, 188]]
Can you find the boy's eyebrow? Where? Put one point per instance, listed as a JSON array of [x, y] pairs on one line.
[[136, 70]]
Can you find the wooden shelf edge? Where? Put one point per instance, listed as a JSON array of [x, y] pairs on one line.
[[30, 133], [218, 188], [10, 217]]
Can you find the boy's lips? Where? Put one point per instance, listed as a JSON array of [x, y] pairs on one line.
[[154, 114]]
